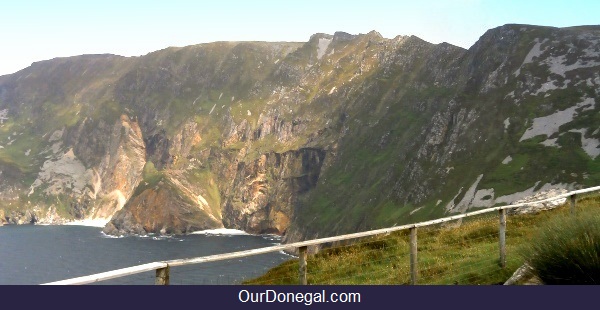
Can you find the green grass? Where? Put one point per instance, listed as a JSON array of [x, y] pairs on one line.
[[24, 142], [550, 165], [566, 250], [465, 255], [151, 178], [209, 191]]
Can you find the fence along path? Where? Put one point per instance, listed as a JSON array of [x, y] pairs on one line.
[[162, 268]]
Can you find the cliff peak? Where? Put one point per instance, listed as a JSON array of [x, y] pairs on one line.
[[340, 36]]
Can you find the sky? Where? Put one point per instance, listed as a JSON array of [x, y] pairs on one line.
[[32, 31]]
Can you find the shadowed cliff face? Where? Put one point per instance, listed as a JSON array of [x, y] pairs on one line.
[[338, 134], [264, 192]]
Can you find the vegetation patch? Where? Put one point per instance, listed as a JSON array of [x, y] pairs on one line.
[[464, 254], [566, 250], [204, 179], [151, 177]]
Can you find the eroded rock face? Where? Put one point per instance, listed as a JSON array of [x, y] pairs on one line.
[[262, 196], [114, 173], [163, 209], [120, 170], [92, 180], [32, 216], [338, 134]]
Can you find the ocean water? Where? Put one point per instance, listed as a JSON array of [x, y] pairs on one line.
[[34, 254]]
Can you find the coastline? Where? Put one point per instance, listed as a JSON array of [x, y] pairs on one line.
[[221, 231], [91, 223], [101, 223]]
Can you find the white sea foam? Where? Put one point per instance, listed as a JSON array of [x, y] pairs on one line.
[[91, 223], [163, 237], [288, 254], [111, 236], [221, 231], [275, 238]]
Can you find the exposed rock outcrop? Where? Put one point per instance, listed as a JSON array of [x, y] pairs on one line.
[[339, 134], [163, 209], [263, 193]]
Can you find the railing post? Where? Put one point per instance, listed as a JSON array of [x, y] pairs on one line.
[[414, 268], [302, 268], [572, 200], [162, 276], [502, 213]]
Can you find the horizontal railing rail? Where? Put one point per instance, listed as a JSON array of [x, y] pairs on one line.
[[162, 267]]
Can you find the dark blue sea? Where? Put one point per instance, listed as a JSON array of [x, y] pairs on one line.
[[34, 254]]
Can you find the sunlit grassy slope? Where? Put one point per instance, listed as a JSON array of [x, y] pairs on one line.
[[464, 255]]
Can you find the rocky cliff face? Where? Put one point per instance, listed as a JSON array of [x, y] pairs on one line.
[[263, 192], [338, 134]]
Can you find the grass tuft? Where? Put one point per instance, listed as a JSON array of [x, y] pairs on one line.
[[567, 251]]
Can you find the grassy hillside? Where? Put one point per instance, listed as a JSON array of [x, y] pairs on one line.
[[464, 255]]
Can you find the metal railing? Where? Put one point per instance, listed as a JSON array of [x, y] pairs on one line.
[[162, 268]]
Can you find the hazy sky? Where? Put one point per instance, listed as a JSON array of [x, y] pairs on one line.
[[39, 30]]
